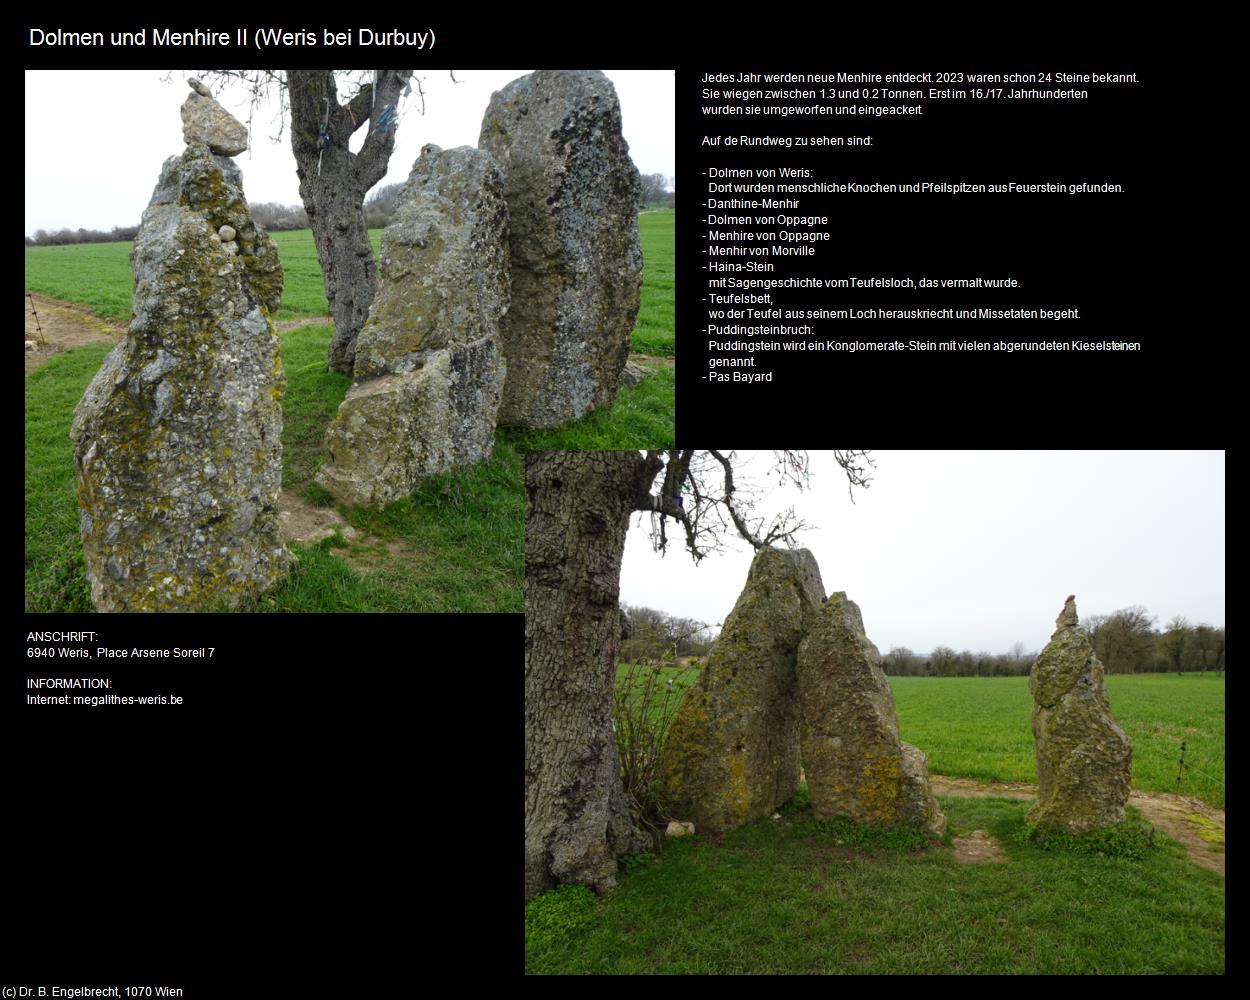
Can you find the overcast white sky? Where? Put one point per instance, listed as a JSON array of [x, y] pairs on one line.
[[95, 141], [977, 550]]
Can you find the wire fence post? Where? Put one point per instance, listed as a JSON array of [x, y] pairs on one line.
[[38, 326], [1180, 764]]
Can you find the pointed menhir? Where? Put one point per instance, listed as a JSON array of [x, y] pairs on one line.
[[856, 765], [1084, 759], [732, 755], [178, 438]]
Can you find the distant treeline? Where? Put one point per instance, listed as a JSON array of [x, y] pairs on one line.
[[268, 215], [1126, 642], [61, 237], [379, 207]]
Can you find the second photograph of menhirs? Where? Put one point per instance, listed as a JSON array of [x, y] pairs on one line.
[[823, 712], [258, 388]]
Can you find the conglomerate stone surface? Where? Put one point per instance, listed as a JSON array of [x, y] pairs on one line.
[[732, 754], [572, 193], [1084, 759], [429, 370], [178, 438], [853, 760]]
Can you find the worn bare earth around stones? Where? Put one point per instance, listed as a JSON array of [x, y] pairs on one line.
[[1195, 824], [306, 524], [977, 848], [64, 325]]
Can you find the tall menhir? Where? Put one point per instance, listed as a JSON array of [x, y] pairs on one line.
[[573, 195], [178, 438]]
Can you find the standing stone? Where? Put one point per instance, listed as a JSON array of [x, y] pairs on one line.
[[732, 755], [178, 438], [852, 757], [429, 371], [1084, 760], [572, 194], [206, 121]]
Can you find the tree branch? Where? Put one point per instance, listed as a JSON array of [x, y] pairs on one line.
[[665, 503], [737, 518], [371, 161], [360, 107], [856, 465]]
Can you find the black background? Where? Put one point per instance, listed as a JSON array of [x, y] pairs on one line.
[[332, 786], [1140, 265]]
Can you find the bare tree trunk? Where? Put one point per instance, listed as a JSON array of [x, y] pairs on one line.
[[577, 513], [346, 259], [333, 183]]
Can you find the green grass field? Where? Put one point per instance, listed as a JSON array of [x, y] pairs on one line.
[[97, 275], [797, 895], [979, 727], [653, 333], [800, 896], [457, 544]]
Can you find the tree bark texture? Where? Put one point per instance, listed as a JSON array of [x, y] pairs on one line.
[[577, 513], [333, 182]]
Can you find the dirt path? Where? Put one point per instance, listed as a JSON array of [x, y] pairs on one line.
[[307, 524], [294, 324], [978, 848], [64, 325], [1195, 824]]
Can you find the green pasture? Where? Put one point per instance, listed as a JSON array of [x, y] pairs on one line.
[[798, 895], [456, 545], [979, 727], [97, 275]]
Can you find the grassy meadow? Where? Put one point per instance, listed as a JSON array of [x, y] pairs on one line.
[[455, 545], [800, 895], [97, 275], [979, 727]]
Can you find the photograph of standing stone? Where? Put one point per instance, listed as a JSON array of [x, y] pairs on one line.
[[178, 438], [573, 194], [1084, 759], [308, 411], [792, 677], [428, 368], [853, 760]]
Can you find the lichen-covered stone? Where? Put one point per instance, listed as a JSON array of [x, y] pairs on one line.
[[205, 121], [732, 754], [1084, 759], [853, 760], [178, 438], [572, 195], [429, 370]]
